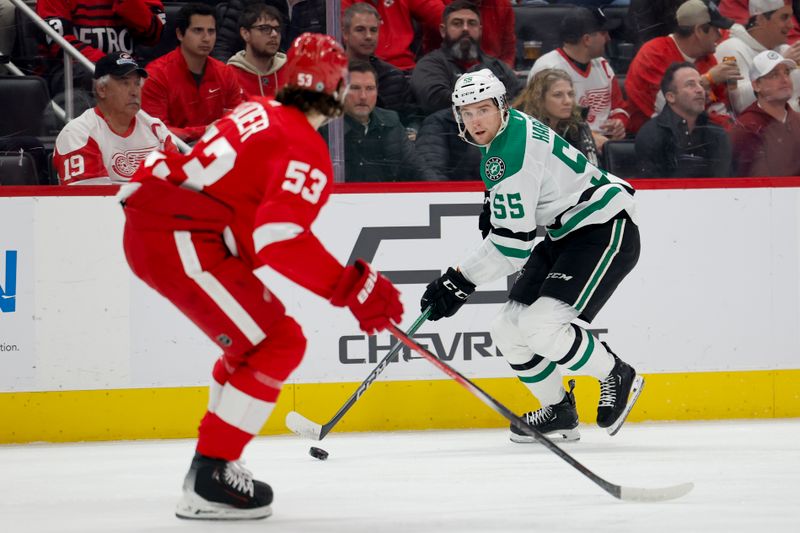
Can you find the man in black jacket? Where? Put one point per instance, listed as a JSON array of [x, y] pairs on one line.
[[443, 151], [360, 27], [376, 146], [435, 75], [681, 141]]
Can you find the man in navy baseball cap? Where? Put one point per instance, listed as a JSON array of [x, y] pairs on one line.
[[118, 64]]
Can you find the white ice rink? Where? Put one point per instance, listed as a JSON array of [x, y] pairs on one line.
[[747, 477]]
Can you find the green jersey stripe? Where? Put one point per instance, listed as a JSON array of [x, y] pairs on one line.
[[576, 219], [585, 357], [540, 376], [512, 252], [602, 266]]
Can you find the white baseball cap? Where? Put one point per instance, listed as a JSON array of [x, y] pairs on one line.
[[758, 7], [766, 61]]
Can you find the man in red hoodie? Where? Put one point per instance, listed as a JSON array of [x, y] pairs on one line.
[[187, 89], [258, 66], [766, 139]]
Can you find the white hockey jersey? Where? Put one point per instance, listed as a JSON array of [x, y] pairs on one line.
[[88, 151], [536, 178], [596, 89]]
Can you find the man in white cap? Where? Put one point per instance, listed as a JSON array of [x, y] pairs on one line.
[[694, 40], [767, 29], [766, 139]]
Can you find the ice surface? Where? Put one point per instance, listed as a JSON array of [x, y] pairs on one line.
[[747, 476]]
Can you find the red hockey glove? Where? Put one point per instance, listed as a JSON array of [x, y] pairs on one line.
[[372, 298]]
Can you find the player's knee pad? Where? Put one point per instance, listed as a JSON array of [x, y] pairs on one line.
[[546, 326], [507, 335], [282, 351]]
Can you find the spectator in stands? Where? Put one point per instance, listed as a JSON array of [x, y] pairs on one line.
[[258, 66], [584, 33], [435, 75], [360, 29], [187, 89], [376, 145], [681, 141], [739, 12], [498, 38], [550, 98], [298, 16], [96, 28], [766, 139], [648, 19], [698, 31], [447, 156], [107, 143], [768, 28], [397, 34]]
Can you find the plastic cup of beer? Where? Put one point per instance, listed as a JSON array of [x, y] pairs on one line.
[[533, 49]]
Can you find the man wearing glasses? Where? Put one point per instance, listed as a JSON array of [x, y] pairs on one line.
[[258, 66]]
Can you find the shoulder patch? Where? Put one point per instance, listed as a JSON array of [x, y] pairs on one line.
[[495, 168]]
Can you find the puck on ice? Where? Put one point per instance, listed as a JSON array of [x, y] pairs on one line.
[[318, 453]]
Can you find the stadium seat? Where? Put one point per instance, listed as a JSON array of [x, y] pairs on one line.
[[168, 40], [539, 23], [619, 158], [18, 168], [23, 100]]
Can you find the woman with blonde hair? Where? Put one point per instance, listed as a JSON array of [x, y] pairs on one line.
[[550, 98]]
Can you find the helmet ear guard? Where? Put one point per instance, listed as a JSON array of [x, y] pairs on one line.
[[475, 87]]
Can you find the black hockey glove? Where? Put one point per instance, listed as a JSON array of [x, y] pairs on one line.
[[447, 294], [484, 220]]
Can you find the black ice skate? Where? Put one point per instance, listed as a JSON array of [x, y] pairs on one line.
[[558, 421], [215, 489], [618, 394]]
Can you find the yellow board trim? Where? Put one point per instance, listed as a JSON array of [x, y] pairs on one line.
[[123, 414]]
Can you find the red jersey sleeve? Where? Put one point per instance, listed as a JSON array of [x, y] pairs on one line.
[[145, 18], [78, 163], [58, 15], [618, 103], [282, 231]]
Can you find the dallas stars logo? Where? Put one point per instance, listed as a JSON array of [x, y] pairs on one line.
[[495, 168]]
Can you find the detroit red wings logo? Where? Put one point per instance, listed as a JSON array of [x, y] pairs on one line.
[[598, 101], [127, 162]]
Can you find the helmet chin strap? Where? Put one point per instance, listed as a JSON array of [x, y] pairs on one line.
[[466, 136]]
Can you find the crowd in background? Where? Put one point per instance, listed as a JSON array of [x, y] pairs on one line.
[[686, 88]]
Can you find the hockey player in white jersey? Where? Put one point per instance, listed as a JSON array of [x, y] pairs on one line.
[[535, 178]]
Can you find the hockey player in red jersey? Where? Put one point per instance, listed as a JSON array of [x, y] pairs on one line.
[[198, 224]]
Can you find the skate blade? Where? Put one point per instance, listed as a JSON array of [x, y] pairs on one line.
[[565, 435], [193, 507], [636, 390]]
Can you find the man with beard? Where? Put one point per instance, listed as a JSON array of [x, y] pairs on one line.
[[767, 135], [258, 66], [435, 76], [681, 142]]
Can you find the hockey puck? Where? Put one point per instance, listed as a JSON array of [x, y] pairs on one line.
[[318, 453]]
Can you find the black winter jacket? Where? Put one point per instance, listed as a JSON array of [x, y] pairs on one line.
[[445, 154]]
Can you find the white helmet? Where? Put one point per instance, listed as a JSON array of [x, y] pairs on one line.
[[475, 87]]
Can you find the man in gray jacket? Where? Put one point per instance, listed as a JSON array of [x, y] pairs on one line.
[[435, 75]]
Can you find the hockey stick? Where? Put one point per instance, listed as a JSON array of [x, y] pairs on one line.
[[311, 430], [617, 491]]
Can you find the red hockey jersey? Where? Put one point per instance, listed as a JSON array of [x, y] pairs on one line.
[[271, 169], [99, 27]]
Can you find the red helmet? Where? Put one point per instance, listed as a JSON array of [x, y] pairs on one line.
[[316, 63]]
